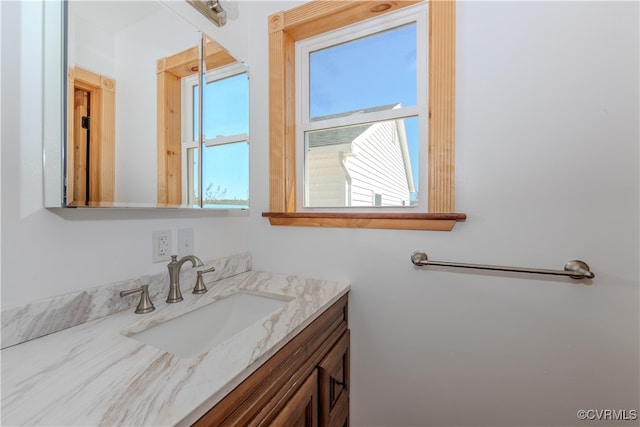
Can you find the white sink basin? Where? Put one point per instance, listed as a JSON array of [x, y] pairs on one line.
[[200, 330]]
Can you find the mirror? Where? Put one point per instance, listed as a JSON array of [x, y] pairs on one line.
[[130, 127]]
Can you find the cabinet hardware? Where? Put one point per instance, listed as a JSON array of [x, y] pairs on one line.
[[340, 383]]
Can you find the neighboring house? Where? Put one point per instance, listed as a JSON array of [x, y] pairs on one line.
[[362, 165]]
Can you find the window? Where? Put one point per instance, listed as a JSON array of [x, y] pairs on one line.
[[225, 171], [304, 128], [225, 156], [361, 109]]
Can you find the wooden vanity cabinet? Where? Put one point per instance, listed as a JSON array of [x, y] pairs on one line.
[[306, 383], [302, 409], [333, 380]]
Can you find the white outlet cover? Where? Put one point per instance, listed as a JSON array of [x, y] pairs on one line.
[[162, 245]]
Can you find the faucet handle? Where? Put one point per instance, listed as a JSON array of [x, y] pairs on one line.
[[145, 305], [200, 288]]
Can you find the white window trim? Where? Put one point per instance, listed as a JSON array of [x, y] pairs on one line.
[[417, 14]]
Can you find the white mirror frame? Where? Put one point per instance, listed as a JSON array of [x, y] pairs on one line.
[[54, 104]]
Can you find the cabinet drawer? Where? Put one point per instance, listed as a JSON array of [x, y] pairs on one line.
[[333, 380]]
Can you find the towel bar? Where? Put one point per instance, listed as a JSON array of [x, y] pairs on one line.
[[575, 269]]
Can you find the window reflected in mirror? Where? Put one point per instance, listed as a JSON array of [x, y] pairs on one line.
[[225, 162], [225, 174]]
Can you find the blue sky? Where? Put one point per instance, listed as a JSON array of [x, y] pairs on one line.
[[226, 112], [368, 72]]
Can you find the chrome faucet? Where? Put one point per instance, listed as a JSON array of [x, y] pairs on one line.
[[174, 275]]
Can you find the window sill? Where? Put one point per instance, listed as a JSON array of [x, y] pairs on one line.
[[426, 221]]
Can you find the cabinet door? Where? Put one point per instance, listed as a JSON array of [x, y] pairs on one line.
[[302, 409], [334, 385]]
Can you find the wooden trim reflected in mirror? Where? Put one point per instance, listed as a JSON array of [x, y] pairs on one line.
[[169, 136], [91, 138]]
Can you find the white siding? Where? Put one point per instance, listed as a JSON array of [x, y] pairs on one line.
[[377, 167], [327, 181], [352, 174]]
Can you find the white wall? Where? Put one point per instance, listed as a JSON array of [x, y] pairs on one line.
[[547, 171]]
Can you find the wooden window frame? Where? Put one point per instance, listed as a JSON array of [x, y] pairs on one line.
[[318, 17]]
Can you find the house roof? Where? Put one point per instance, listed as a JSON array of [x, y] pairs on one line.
[[335, 136], [342, 135]]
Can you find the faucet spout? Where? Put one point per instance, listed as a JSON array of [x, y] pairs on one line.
[[175, 295]]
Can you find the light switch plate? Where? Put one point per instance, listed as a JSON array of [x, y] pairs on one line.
[[185, 242]]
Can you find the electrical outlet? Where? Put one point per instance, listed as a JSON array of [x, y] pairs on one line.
[[185, 242], [162, 244]]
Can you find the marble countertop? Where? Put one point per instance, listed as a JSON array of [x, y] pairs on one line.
[[92, 374]]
